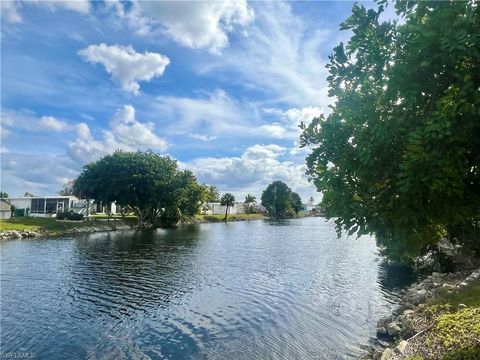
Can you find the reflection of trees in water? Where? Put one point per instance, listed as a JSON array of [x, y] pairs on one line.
[[394, 277], [119, 274]]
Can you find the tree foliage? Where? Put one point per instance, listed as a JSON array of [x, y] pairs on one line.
[[3, 195], [280, 201], [399, 154], [227, 200], [151, 185], [296, 202], [248, 203], [67, 188], [211, 193]]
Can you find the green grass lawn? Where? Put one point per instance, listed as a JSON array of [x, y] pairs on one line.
[[36, 223], [52, 225]]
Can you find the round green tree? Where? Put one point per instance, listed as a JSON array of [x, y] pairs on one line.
[[149, 184]]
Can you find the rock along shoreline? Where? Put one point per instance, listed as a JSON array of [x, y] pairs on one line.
[[396, 334], [113, 225]]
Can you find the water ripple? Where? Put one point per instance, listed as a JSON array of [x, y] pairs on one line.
[[258, 290]]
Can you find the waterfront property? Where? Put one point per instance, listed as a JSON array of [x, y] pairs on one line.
[[215, 208], [49, 206]]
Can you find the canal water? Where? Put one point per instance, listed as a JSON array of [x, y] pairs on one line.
[[242, 290]]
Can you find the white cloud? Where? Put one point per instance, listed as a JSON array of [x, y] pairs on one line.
[[125, 133], [212, 114], [257, 152], [10, 9], [51, 123], [275, 130], [133, 133], [125, 65], [133, 16], [252, 171], [80, 6], [200, 24], [287, 122], [280, 55], [40, 174], [29, 121], [202, 137]]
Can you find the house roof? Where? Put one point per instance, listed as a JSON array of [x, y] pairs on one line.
[[41, 197]]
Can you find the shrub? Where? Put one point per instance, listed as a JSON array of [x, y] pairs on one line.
[[471, 353], [69, 215]]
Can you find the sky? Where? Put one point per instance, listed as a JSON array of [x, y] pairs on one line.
[[219, 86]]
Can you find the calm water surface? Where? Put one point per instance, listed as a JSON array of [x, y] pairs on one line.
[[245, 290]]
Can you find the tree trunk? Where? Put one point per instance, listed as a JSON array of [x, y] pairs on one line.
[[226, 213]]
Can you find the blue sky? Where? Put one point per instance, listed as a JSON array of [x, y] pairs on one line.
[[219, 86]]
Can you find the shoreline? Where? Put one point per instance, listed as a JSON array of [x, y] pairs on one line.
[[403, 334], [102, 225]]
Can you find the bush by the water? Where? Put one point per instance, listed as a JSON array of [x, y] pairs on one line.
[[69, 215]]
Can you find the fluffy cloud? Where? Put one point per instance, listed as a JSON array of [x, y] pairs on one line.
[[51, 123], [287, 125], [252, 171], [29, 121], [125, 65], [200, 24], [10, 9], [125, 133]]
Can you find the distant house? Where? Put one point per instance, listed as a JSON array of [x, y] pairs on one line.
[[313, 209], [216, 208], [49, 206], [5, 209]]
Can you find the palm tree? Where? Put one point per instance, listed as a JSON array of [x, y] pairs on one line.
[[211, 193], [249, 200], [227, 200], [311, 200]]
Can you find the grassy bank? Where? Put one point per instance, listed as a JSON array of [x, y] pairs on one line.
[[452, 326], [51, 225], [233, 217]]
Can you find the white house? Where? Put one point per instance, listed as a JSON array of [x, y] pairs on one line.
[[216, 208], [49, 206], [5, 210]]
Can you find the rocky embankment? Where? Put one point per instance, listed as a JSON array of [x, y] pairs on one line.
[[15, 234], [25, 234], [398, 334]]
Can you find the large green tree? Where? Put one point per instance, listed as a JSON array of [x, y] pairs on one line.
[[399, 154], [280, 201], [149, 184]]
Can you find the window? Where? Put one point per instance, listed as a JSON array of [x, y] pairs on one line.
[[38, 206]]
